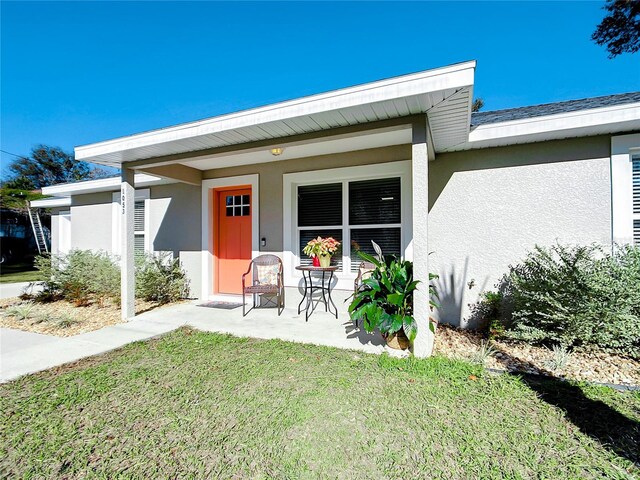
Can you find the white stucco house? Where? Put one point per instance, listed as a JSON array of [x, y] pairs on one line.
[[401, 161]]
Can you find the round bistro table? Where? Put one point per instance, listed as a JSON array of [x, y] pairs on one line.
[[324, 287]]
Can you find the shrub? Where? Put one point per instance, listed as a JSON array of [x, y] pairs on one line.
[[80, 277], [577, 297], [83, 276], [160, 279]]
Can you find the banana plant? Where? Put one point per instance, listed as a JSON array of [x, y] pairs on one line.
[[385, 300]]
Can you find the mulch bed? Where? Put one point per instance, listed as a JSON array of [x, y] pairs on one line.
[[64, 319], [600, 367]]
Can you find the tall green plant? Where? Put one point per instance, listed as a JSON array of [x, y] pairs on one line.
[[385, 301]]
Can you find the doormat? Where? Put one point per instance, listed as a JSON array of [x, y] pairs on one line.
[[222, 305]]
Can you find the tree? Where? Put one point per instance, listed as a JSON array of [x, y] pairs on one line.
[[619, 31], [48, 166], [478, 103]]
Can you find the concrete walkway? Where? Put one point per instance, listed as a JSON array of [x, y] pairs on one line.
[[9, 290], [23, 353]]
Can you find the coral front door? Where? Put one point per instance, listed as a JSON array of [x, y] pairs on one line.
[[233, 238]]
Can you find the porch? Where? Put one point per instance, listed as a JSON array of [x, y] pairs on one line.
[[284, 161]]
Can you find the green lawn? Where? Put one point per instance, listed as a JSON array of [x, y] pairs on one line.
[[19, 272], [196, 405]]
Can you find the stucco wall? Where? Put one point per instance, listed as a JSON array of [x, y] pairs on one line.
[[175, 226], [489, 207], [91, 223]]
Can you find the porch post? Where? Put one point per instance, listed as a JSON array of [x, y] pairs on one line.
[[127, 267], [423, 343]]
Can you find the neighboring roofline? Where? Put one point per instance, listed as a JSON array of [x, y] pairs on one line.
[[101, 185], [605, 120], [378, 91], [51, 202]]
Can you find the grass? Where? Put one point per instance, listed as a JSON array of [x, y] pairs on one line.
[[19, 272], [202, 405]]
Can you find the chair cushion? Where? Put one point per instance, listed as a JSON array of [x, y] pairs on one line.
[[268, 274]]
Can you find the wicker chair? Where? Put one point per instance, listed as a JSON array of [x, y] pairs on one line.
[[266, 278], [364, 272]]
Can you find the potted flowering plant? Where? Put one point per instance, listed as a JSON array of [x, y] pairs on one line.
[[320, 250]]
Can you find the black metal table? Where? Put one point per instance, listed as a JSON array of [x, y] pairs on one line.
[[324, 287]]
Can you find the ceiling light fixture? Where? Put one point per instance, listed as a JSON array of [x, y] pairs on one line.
[[277, 151]]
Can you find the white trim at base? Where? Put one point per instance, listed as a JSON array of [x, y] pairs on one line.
[[207, 224]]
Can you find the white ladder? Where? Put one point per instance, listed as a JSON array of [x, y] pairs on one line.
[[38, 231]]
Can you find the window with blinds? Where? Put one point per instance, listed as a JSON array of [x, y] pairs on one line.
[[354, 213], [635, 178]]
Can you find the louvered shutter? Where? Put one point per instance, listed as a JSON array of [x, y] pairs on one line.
[[138, 228], [636, 199]]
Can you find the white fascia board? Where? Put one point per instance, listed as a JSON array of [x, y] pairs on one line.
[[455, 76], [572, 124], [51, 202], [101, 185]]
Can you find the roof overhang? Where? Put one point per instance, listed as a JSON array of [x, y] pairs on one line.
[[444, 94], [51, 202], [110, 184], [581, 123]]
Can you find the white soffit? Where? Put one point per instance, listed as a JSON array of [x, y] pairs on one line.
[[317, 147], [581, 123], [443, 93]]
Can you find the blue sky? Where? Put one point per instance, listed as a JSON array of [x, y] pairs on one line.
[[75, 73]]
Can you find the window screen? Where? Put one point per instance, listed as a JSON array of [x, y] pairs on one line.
[[320, 205], [374, 202]]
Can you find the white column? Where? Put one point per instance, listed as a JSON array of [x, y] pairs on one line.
[[127, 263], [423, 343]]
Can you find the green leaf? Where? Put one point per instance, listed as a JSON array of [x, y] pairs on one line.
[[410, 327], [369, 258], [396, 299]]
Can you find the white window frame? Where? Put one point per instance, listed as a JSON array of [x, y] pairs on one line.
[[345, 175], [623, 150], [142, 194]]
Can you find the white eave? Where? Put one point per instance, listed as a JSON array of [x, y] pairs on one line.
[[444, 94], [51, 202], [581, 123], [110, 184]]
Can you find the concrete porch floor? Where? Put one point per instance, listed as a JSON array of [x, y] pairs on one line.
[[321, 329]]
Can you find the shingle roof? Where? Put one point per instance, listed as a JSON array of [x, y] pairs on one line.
[[497, 116]]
